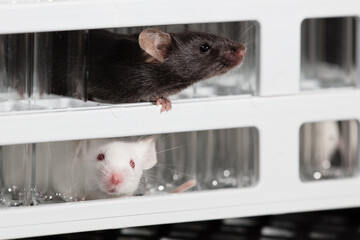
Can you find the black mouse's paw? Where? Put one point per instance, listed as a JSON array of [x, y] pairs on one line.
[[165, 104]]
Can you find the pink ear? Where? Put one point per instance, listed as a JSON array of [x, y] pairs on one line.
[[155, 43], [148, 152], [81, 147]]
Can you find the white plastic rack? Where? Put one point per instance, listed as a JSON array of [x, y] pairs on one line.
[[278, 110]]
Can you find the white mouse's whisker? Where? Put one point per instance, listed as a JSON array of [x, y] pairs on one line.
[[169, 149], [163, 137], [168, 167], [160, 179]]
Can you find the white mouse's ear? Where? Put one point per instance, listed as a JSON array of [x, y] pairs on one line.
[[155, 43], [148, 152], [80, 147]]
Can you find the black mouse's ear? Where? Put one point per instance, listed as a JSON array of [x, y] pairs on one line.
[[155, 43]]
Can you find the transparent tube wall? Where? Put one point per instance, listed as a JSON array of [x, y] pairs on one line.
[[329, 150], [49, 70], [53, 172], [329, 53]]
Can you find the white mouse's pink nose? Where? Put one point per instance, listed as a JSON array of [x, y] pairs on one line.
[[116, 178]]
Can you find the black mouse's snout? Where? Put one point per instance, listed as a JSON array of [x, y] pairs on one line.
[[234, 55], [241, 49]]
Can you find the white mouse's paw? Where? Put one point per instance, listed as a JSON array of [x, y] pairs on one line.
[[165, 104]]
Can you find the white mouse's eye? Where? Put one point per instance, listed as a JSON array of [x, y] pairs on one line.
[[132, 163], [100, 157]]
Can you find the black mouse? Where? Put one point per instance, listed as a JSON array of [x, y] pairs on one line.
[[153, 65]]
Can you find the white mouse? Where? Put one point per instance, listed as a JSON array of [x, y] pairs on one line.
[[116, 167], [99, 168]]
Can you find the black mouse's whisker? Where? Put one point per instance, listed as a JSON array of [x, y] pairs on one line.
[[245, 32], [249, 43]]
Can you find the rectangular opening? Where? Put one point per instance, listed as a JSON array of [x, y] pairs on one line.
[[76, 69], [329, 53], [52, 172], [329, 150]]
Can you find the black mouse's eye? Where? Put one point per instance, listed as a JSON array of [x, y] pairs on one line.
[[100, 157], [205, 47]]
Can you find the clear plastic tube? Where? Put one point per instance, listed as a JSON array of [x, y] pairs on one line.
[[328, 150], [329, 53]]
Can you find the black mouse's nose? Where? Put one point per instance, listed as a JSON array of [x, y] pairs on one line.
[[235, 55], [239, 50], [243, 50]]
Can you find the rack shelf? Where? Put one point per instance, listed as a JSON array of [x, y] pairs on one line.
[[278, 110]]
